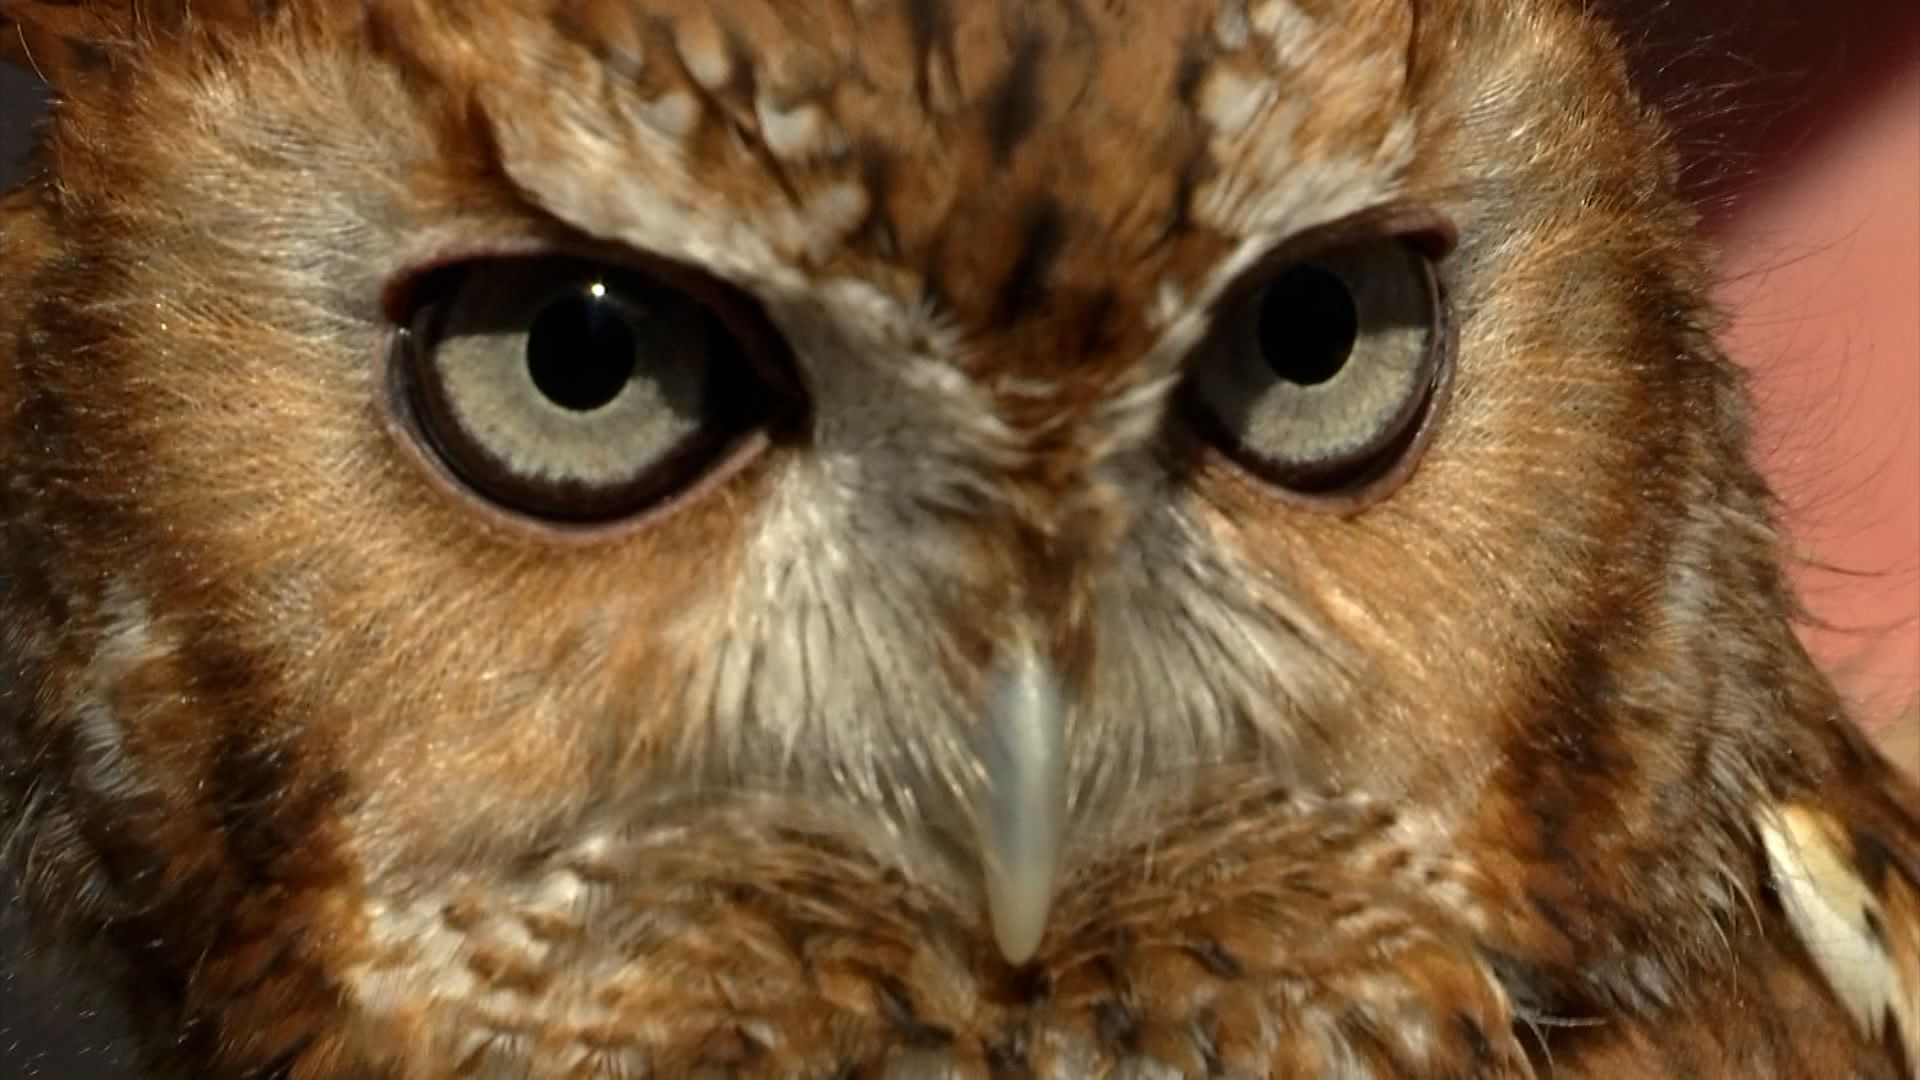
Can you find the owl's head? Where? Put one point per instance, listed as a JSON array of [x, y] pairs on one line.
[[499, 493]]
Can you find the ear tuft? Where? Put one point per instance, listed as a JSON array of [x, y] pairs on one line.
[[72, 44], [67, 45]]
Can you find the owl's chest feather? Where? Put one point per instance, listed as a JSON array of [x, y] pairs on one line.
[[1270, 934]]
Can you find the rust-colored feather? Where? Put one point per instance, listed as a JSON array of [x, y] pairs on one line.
[[63, 44], [73, 44], [1495, 757]]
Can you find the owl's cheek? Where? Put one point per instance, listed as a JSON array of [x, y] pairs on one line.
[[473, 753], [472, 687]]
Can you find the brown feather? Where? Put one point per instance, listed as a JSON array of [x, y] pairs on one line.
[[1510, 765]]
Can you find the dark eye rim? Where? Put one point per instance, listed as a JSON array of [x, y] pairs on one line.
[[701, 465], [1348, 490]]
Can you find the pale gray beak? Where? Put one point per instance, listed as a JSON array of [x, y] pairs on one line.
[[1021, 811]]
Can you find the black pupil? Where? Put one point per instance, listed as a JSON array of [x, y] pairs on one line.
[[580, 351], [1307, 325]]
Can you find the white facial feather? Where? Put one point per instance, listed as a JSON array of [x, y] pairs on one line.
[[1839, 921]]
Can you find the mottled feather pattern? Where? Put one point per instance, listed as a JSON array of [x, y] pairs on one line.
[[1845, 864], [1517, 771], [1861, 942]]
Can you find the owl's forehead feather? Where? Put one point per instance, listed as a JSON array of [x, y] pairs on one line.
[[1064, 183], [980, 154], [987, 155]]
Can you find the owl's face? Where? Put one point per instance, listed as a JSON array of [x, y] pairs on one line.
[[548, 493]]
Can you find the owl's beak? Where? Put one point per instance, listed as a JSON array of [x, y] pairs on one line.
[[1022, 809]]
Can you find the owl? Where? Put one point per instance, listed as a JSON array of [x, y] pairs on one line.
[[907, 540]]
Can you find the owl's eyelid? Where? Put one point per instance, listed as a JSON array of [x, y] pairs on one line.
[[1423, 228], [737, 308], [438, 254]]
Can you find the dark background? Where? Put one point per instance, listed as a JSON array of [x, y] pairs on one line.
[[46, 1033], [1766, 93]]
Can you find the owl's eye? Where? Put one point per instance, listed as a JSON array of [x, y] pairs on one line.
[[573, 391], [1318, 377]]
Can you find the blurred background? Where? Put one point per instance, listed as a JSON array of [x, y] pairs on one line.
[[1799, 121]]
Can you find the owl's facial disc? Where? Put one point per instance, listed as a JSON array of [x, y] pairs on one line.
[[1022, 807]]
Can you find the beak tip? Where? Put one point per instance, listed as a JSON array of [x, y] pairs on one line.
[[1019, 913], [1023, 810]]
